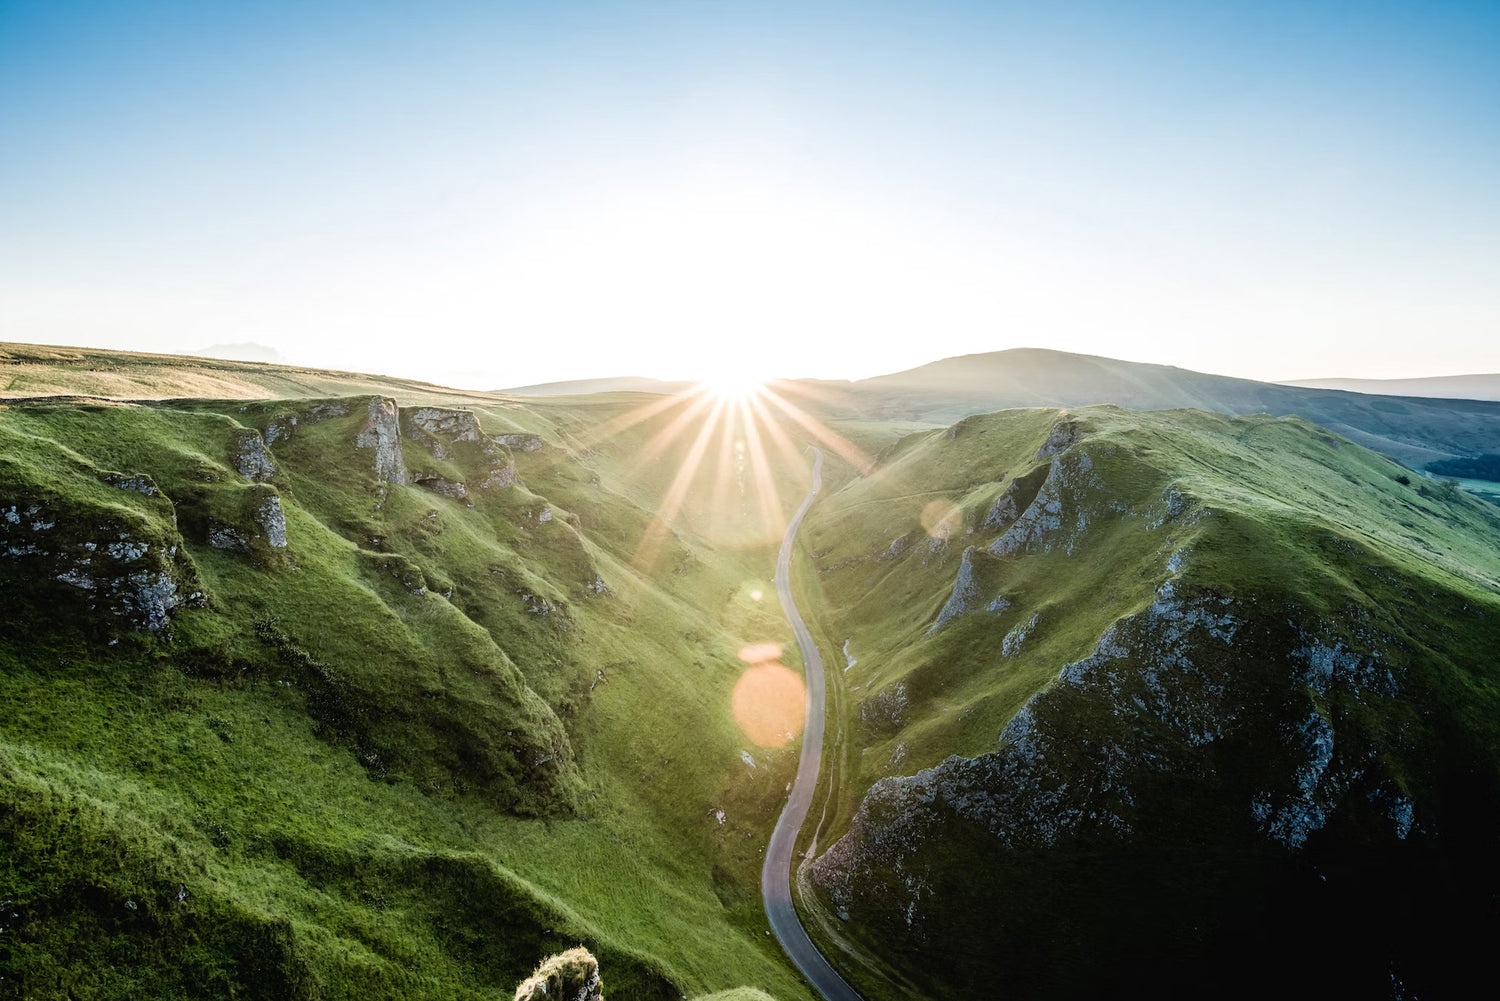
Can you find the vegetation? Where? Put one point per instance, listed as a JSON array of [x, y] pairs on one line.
[[1475, 467], [317, 697], [1111, 833], [428, 741]]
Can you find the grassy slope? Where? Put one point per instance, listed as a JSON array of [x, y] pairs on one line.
[[310, 761], [31, 370], [1300, 521]]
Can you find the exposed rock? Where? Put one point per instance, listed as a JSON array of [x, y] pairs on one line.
[[501, 477], [885, 711], [453, 425], [1004, 511], [965, 592], [250, 456], [1162, 688], [139, 482], [1011, 645], [896, 548], [1063, 436], [536, 604], [1302, 810], [1174, 505], [598, 587], [1069, 482], [228, 537], [568, 976], [437, 429], [521, 442], [137, 579], [281, 427], [545, 516], [442, 486], [1337, 662], [382, 432], [271, 520]]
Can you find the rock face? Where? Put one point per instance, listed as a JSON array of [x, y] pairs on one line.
[[107, 562], [521, 442], [568, 976], [251, 458], [456, 434], [501, 477], [382, 433], [242, 522], [965, 594], [271, 520], [442, 486], [437, 429], [1173, 697]]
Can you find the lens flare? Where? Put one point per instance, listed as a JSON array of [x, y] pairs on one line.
[[760, 653], [940, 519], [770, 704]]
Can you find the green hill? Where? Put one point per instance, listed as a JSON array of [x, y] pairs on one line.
[[1172, 702], [386, 690], [331, 698]]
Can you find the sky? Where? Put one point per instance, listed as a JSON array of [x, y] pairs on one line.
[[491, 195]]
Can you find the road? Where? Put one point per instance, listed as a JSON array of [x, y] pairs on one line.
[[776, 874]]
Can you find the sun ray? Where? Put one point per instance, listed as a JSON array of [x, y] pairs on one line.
[[764, 480], [846, 449], [790, 453], [656, 532], [639, 415], [720, 507]]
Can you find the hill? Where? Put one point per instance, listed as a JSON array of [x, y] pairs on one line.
[[330, 698], [36, 370], [1162, 701], [1412, 430], [1447, 387], [586, 387]]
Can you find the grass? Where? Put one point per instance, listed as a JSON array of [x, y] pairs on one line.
[[365, 788], [1303, 525], [434, 740]]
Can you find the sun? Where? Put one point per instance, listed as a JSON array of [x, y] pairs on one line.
[[731, 385]]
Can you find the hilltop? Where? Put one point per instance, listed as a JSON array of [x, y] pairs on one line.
[[1170, 699], [36, 370], [1416, 431]]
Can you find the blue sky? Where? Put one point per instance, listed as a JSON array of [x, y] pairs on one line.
[[494, 194]]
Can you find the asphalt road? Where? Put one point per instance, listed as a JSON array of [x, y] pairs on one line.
[[776, 874]]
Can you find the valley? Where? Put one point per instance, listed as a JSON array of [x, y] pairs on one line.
[[399, 692]]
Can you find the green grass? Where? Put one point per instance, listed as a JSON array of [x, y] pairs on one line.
[[365, 790], [1302, 525]]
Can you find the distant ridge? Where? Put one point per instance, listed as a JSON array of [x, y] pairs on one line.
[[583, 387], [1443, 387], [1413, 430]]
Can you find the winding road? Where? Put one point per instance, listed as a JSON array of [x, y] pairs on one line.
[[776, 874]]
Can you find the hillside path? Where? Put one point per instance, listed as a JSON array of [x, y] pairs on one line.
[[776, 874]]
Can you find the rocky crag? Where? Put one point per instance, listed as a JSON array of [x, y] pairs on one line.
[[1231, 668]]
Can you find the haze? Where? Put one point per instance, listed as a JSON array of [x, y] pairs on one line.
[[493, 195]]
